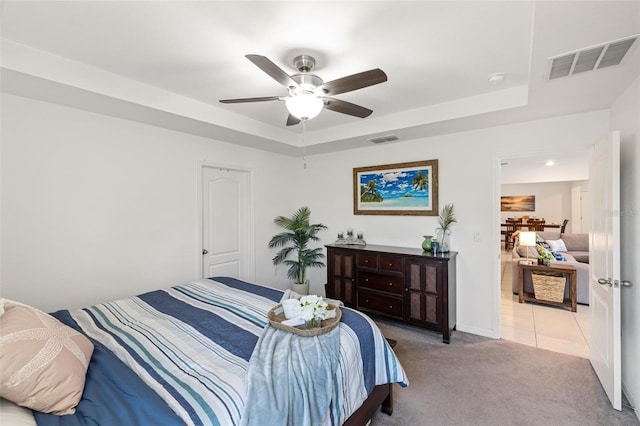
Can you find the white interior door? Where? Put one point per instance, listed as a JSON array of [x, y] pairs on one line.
[[225, 223], [604, 265]]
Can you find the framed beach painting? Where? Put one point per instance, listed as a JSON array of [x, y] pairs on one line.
[[409, 189], [518, 203]]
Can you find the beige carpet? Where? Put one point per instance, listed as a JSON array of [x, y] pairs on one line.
[[479, 381]]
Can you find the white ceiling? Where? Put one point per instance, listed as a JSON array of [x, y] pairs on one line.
[[169, 63]]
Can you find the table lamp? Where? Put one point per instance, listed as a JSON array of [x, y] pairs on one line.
[[527, 239]]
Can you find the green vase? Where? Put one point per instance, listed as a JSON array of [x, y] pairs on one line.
[[426, 244]]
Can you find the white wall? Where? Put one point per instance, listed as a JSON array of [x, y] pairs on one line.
[[469, 167], [553, 200], [625, 116], [95, 208]]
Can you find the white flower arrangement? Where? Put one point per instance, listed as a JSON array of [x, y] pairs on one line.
[[314, 309]]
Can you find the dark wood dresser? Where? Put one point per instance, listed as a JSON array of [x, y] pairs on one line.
[[400, 283]]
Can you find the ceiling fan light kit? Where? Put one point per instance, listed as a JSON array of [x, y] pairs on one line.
[[308, 93], [304, 106]]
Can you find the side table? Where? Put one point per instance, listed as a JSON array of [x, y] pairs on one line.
[[564, 269]]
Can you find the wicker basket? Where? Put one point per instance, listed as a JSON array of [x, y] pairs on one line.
[[276, 316], [548, 286]]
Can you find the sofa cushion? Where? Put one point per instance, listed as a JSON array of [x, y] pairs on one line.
[[548, 235], [522, 251], [576, 242], [581, 256]]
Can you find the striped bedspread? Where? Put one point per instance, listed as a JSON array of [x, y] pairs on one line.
[[192, 344]]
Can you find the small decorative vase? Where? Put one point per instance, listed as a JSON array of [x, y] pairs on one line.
[[443, 238], [312, 323], [426, 244]]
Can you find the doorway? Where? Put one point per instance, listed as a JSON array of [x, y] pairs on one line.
[[226, 222], [547, 327]]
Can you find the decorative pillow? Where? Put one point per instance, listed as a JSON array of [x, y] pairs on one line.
[[44, 362], [543, 252], [557, 245]]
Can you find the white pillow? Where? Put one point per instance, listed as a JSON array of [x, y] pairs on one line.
[[14, 415], [557, 245]]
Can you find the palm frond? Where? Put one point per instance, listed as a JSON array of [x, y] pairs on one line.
[[447, 217]]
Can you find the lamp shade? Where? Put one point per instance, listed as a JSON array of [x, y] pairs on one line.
[[304, 106], [527, 238]]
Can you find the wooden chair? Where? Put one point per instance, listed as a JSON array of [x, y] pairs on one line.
[[536, 224], [512, 227], [564, 225]]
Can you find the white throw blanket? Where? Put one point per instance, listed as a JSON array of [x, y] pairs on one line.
[[290, 379]]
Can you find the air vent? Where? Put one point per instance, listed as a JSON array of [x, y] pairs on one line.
[[590, 58], [382, 139]]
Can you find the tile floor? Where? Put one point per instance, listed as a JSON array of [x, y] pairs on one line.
[[547, 327]]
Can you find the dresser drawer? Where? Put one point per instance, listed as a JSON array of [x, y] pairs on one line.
[[391, 264], [366, 260], [391, 284], [379, 303]]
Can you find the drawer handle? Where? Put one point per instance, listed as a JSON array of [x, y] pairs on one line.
[[366, 280], [366, 261], [390, 284], [366, 301], [390, 306], [390, 265]]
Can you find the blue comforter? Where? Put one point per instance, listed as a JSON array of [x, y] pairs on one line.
[[181, 355]]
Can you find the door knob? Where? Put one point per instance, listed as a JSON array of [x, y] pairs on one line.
[[204, 251], [605, 281]]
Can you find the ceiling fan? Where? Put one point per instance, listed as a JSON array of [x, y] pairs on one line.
[[308, 94]]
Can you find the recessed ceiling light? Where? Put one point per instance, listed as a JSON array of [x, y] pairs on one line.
[[550, 163], [496, 78]]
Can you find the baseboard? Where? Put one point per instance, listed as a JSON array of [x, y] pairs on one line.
[[479, 331], [631, 400]]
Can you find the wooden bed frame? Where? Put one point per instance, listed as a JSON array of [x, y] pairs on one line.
[[381, 395]]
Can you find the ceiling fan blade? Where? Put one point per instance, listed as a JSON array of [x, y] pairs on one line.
[[346, 107], [241, 100], [292, 120], [272, 69], [354, 82]]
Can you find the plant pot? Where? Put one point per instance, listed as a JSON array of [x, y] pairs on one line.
[[301, 288]]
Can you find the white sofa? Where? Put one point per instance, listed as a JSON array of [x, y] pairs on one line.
[[577, 254]]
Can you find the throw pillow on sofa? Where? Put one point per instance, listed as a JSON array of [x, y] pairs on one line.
[[543, 252], [557, 246]]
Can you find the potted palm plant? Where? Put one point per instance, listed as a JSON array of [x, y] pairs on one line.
[[295, 240]]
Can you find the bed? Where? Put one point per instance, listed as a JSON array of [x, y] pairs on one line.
[[188, 355]]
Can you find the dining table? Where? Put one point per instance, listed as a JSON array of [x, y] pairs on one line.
[[530, 226]]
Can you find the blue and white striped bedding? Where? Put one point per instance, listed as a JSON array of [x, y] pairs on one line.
[[192, 344]]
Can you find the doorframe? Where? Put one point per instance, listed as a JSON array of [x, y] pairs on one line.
[[250, 242], [498, 158]]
